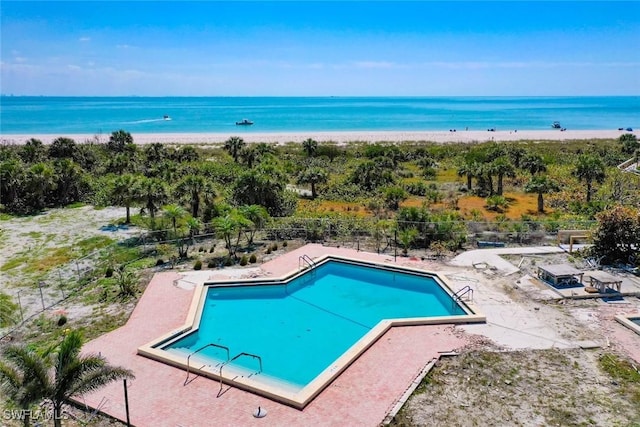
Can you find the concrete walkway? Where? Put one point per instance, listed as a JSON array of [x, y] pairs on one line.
[[493, 259]]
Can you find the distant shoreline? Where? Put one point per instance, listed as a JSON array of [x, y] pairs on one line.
[[340, 137]]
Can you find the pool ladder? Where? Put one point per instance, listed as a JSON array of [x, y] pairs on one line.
[[305, 259], [186, 381], [237, 356], [223, 364], [460, 293]]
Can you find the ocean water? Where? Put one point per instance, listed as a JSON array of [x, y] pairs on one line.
[[103, 115]]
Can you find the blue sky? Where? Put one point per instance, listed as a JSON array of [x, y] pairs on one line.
[[353, 48]]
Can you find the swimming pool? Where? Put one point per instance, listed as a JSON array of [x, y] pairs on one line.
[[296, 335]]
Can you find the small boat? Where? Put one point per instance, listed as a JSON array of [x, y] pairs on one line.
[[166, 117], [244, 122], [556, 125]]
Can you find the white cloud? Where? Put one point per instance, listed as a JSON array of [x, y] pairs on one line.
[[376, 64], [476, 65], [84, 39]]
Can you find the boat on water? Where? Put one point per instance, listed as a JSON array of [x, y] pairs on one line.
[[556, 125], [244, 122], [166, 117]]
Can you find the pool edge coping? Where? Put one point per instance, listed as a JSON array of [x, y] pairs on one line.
[[310, 391], [625, 320]]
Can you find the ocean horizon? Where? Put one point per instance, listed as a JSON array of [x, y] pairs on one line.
[[32, 115]]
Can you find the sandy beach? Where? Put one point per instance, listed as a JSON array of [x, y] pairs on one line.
[[337, 137]]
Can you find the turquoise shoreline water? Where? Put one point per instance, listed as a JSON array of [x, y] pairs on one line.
[[102, 115]]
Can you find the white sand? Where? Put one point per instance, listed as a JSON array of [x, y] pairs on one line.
[[338, 137]]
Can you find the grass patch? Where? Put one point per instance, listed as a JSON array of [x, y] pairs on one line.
[[624, 373], [14, 262], [32, 234], [91, 244], [5, 216], [55, 258], [76, 205], [102, 323]]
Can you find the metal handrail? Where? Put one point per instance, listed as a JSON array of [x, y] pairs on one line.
[[200, 349], [306, 259], [237, 356], [460, 293]]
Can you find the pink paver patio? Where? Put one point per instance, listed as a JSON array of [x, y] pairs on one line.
[[361, 396]]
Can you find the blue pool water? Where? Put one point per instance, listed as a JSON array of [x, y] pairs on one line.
[[300, 329], [636, 320]]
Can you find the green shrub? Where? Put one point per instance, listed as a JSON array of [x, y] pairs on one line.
[[284, 244], [62, 320], [253, 259], [229, 262], [211, 264], [201, 249], [274, 247], [159, 261], [244, 260], [213, 248], [108, 272], [268, 251], [197, 265]]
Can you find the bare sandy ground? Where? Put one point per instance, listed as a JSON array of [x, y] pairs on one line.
[[338, 137]]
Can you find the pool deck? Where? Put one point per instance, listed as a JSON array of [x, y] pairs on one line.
[[361, 396]]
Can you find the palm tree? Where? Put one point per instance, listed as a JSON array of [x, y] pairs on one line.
[[313, 175], [62, 148], [262, 148], [227, 226], [629, 143], [407, 237], [541, 184], [393, 196], [485, 176], [69, 181], [125, 192], [257, 215], [11, 180], [174, 213], [33, 151], [153, 194], [469, 169], [119, 140], [76, 374], [588, 169], [155, 152], [41, 181], [502, 167], [516, 155], [310, 146], [194, 225], [370, 175], [193, 189], [23, 378], [249, 155], [533, 163], [233, 145]]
